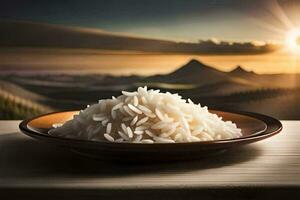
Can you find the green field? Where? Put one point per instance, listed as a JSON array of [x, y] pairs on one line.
[[14, 110]]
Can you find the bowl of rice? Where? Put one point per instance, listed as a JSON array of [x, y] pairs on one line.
[[149, 124]]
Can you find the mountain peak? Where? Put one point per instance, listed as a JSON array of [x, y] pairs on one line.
[[194, 67], [240, 71], [194, 62]]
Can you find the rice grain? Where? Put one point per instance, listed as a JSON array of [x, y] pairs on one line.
[[147, 116]]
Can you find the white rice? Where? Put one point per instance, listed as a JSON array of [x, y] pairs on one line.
[[147, 116]]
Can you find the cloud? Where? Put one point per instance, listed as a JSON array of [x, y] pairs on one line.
[[28, 34], [215, 46]]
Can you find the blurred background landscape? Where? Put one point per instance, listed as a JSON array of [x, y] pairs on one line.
[[226, 54]]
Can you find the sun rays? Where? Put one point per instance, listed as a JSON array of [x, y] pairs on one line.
[[288, 33]]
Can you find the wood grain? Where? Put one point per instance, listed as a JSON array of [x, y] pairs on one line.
[[27, 163]]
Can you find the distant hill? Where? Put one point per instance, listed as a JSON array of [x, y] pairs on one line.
[[210, 81], [16, 90], [267, 80], [11, 109], [241, 72], [17, 103], [194, 72], [199, 74], [220, 88]]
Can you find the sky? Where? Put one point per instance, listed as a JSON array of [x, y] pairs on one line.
[[231, 20]]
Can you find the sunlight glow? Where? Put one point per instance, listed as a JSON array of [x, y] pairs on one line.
[[293, 40]]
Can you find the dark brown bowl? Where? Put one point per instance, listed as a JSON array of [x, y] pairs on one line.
[[254, 127]]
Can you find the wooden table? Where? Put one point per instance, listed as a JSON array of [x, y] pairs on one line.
[[270, 168]]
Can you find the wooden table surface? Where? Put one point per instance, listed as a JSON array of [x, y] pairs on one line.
[[263, 169]]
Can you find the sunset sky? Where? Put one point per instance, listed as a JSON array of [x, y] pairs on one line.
[[233, 20], [179, 20]]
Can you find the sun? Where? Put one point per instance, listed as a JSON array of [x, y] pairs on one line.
[[293, 40]]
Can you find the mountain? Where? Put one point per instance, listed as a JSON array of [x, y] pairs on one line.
[[267, 80], [201, 75], [239, 71], [194, 72], [196, 67]]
